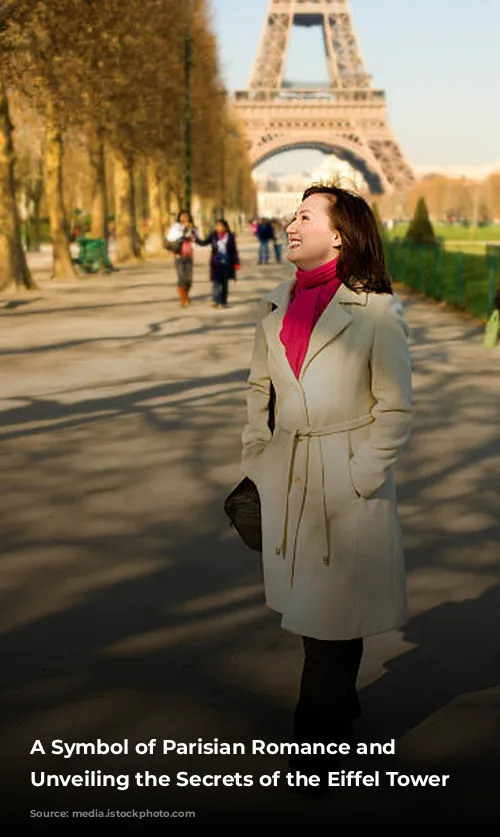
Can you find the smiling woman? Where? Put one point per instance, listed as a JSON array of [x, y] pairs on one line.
[[333, 345], [312, 240]]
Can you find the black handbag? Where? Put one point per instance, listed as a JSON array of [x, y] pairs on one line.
[[173, 246], [243, 504]]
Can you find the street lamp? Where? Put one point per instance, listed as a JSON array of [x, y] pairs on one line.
[[223, 173], [187, 108]]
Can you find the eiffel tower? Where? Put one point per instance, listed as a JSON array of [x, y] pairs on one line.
[[346, 117]]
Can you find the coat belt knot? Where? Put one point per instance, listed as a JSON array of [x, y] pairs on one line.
[[307, 433]]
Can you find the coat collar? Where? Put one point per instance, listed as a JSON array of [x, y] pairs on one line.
[[334, 319], [279, 297]]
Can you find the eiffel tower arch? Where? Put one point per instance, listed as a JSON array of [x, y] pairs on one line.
[[347, 117]]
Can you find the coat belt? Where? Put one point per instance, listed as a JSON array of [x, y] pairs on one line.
[[306, 433]]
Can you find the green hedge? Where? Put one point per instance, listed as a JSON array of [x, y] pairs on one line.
[[463, 280]]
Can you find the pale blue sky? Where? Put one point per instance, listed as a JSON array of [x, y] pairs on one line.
[[438, 61]]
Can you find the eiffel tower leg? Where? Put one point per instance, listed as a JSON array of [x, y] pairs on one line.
[[270, 63], [392, 162]]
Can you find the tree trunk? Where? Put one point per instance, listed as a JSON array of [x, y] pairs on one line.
[[13, 264], [155, 209], [168, 201], [62, 265], [35, 199], [127, 240], [99, 193]]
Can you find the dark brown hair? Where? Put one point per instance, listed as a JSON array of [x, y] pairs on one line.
[[185, 212], [224, 222], [361, 257]]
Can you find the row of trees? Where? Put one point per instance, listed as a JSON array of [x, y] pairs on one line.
[[448, 199], [95, 91]]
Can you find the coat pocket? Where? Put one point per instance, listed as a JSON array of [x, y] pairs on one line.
[[269, 466], [338, 485]]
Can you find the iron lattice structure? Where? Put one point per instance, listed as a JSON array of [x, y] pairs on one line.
[[346, 117]]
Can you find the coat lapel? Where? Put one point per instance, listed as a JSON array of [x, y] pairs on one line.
[[272, 323], [277, 301], [334, 319]]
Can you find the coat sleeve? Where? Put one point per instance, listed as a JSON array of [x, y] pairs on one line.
[[392, 411], [202, 241], [233, 256], [256, 433]]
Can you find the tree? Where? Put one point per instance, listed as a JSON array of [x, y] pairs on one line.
[[140, 113], [420, 230], [14, 14], [54, 42], [13, 265], [29, 185], [100, 84], [492, 190]]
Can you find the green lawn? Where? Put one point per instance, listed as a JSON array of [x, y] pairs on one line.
[[456, 232], [477, 248]]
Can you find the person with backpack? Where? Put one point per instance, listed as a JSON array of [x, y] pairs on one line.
[[179, 240]]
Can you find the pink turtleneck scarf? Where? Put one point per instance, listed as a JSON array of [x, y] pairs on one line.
[[312, 292]]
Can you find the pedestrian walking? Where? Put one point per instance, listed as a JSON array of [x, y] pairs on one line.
[[331, 346], [265, 234], [179, 240], [224, 260], [280, 239]]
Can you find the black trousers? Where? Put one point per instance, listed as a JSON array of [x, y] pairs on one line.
[[328, 701], [220, 284]]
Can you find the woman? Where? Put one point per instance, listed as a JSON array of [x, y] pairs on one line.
[[334, 346], [265, 234], [180, 238], [224, 261], [280, 239]]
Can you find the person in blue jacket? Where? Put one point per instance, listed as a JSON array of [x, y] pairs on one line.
[[265, 234]]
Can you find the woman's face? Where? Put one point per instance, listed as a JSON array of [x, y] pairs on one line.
[[185, 219], [220, 228], [311, 239]]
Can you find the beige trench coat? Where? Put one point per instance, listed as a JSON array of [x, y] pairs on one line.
[[332, 548]]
